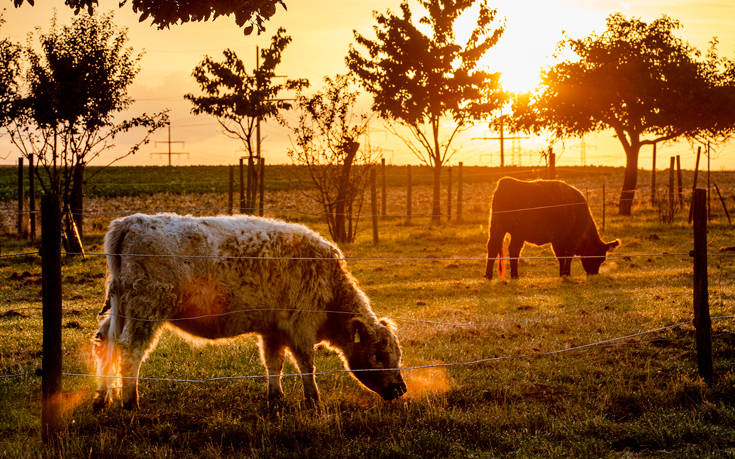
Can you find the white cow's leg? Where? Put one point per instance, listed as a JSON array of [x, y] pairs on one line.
[[273, 352], [137, 337], [106, 365]]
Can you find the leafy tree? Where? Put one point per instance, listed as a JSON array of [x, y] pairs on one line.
[[249, 14], [75, 88], [9, 72], [326, 141], [639, 80], [419, 80], [238, 99]]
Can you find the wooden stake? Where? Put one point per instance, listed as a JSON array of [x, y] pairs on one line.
[[408, 194], [374, 205], [459, 192], [604, 185], [449, 193], [694, 182], [261, 183], [242, 186], [724, 206], [231, 190], [383, 195], [51, 302], [32, 198], [709, 213], [670, 217], [702, 321], [20, 197], [250, 208], [679, 181], [653, 177]]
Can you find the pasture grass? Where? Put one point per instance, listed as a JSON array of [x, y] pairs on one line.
[[638, 397]]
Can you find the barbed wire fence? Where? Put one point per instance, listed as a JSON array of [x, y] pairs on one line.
[[51, 253]]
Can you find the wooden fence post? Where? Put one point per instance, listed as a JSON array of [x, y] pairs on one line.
[[51, 293], [383, 194], [250, 195], [449, 193], [670, 217], [20, 196], [242, 186], [709, 213], [604, 205], [702, 321], [374, 204], [653, 177], [680, 187], [724, 206], [231, 189], [31, 199], [694, 182], [459, 192], [408, 194], [261, 183]]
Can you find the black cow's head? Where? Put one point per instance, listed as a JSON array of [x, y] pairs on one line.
[[374, 356], [592, 260]]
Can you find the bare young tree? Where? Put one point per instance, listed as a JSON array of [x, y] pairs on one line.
[[326, 141]]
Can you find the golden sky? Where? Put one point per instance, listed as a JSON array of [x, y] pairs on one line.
[[322, 31]]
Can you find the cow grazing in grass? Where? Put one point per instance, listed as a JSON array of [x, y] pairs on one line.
[[542, 212], [278, 280]]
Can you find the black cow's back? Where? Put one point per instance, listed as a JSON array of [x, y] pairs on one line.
[[541, 211]]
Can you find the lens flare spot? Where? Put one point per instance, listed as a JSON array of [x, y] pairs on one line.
[[426, 381]]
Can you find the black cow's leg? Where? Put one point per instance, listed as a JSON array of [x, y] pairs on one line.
[[565, 261], [516, 244], [494, 248]]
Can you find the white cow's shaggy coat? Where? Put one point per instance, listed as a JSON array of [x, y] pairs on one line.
[[219, 277]]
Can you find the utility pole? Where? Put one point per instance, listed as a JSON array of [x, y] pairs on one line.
[[170, 153], [502, 138]]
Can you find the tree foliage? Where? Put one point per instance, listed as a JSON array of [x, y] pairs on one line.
[[10, 55], [326, 141], [640, 80], [73, 93], [238, 98], [249, 14], [419, 79]]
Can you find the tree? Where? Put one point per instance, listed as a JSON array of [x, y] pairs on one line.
[[639, 80], [239, 99], [420, 80], [75, 88], [165, 13], [9, 73], [326, 141]]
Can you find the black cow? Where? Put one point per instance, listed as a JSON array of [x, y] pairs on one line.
[[542, 212]]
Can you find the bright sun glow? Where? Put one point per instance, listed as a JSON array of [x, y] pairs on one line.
[[532, 31]]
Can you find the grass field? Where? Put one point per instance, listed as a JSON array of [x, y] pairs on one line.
[[634, 397]]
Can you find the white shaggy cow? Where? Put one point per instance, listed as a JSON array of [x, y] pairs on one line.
[[220, 277]]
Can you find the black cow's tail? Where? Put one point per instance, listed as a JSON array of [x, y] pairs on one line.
[[502, 262]]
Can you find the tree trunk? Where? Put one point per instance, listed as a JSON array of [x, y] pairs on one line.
[[630, 181], [340, 217], [435, 200]]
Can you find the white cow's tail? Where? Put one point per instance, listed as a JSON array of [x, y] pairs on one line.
[[111, 321]]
